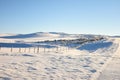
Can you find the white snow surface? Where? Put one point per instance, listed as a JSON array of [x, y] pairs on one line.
[[112, 67], [87, 62]]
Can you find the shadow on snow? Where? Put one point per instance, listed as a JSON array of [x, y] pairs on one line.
[[95, 45]]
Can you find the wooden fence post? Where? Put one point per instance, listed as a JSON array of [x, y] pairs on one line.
[[24, 49], [11, 49], [19, 50], [57, 49], [38, 49], [29, 49], [44, 50], [0, 47], [34, 49]]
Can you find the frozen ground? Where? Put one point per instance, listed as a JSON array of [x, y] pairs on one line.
[[112, 69], [85, 62]]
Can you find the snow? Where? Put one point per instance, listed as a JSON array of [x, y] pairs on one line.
[[86, 62], [112, 71], [41, 36], [95, 45]]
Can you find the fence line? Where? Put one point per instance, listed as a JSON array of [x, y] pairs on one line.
[[0, 48], [33, 49]]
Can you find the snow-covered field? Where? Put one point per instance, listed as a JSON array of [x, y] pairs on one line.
[[112, 68], [84, 62]]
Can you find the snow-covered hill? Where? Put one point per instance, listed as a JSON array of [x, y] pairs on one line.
[[54, 56], [41, 36], [57, 64], [47, 39], [46, 34]]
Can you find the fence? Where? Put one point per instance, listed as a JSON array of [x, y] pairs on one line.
[[33, 49]]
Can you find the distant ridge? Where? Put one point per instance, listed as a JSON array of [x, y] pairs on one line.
[[117, 36], [33, 35], [46, 34]]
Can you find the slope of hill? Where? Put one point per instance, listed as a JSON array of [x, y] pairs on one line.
[[42, 36], [46, 34], [73, 64]]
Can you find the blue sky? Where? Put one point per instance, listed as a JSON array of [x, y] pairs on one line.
[[70, 16]]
